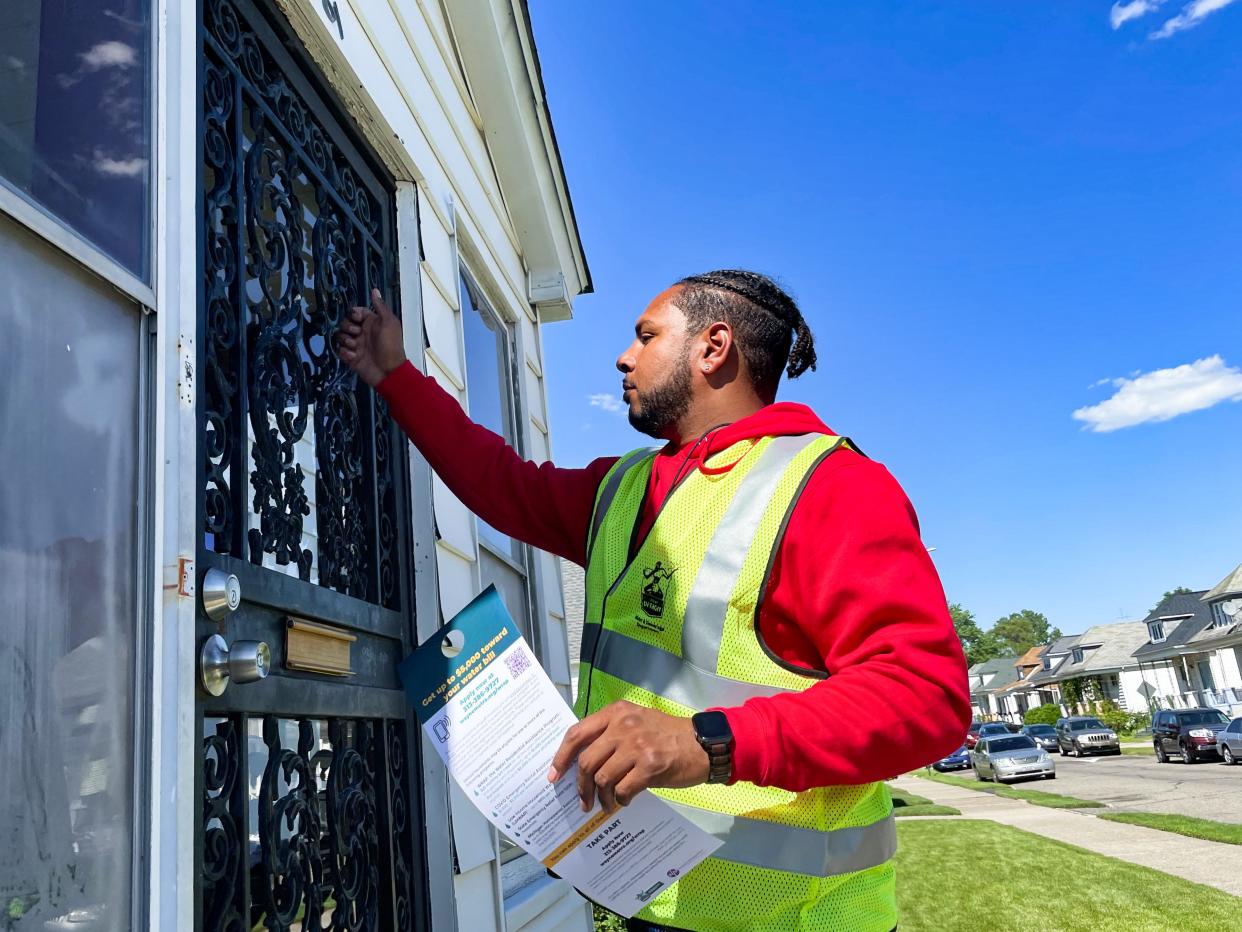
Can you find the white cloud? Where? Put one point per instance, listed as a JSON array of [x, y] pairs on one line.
[[110, 55], [1164, 394], [1192, 15], [119, 168], [1122, 13], [610, 403]]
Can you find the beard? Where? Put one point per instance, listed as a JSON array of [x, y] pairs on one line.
[[665, 404]]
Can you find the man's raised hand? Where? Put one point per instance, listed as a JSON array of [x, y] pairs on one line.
[[369, 341]]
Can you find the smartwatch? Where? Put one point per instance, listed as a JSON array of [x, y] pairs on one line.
[[716, 738]]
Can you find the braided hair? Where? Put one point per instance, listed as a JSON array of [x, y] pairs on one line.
[[770, 331]]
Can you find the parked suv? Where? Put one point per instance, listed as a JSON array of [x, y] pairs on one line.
[[1082, 734], [1190, 733]]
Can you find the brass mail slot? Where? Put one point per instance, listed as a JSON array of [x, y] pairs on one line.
[[317, 648]]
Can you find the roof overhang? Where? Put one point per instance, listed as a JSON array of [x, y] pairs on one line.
[[502, 66]]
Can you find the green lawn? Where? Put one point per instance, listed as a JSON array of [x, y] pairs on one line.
[[907, 804], [1144, 751], [971, 874], [1038, 797], [1229, 833]]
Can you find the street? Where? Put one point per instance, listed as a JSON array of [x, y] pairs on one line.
[[1209, 790]]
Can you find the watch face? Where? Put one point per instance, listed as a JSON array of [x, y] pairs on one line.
[[713, 727]]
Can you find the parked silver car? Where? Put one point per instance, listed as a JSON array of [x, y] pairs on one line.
[[1005, 758], [1229, 742]]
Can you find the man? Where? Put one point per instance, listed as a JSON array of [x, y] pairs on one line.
[[765, 636]]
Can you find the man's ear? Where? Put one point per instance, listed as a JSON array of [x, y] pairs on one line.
[[718, 341]]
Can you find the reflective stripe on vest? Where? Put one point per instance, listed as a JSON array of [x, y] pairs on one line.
[[611, 485], [704, 621], [662, 673], [795, 850]]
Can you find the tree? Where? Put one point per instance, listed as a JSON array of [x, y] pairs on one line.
[[1020, 631], [978, 644], [1046, 714], [1180, 590]]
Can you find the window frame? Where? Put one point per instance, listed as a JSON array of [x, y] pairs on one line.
[[43, 223], [1152, 627], [511, 401], [146, 348], [1077, 655]]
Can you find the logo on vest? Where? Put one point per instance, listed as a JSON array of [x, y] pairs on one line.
[[655, 585]]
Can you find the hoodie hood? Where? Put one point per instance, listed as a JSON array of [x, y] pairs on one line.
[[781, 419]]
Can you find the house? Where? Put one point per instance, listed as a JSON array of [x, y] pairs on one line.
[[1102, 661], [217, 545], [986, 679], [1176, 670], [1020, 695], [1043, 682]]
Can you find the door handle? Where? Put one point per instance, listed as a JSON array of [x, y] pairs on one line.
[[244, 662]]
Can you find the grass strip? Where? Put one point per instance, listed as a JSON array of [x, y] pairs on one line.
[[908, 804], [1036, 797], [975, 874], [1226, 832]]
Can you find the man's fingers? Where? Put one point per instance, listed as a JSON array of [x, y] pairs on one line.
[[350, 327], [629, 786], [591, 761], [577, 738], [610, 777], [377, 302], [359, 314]]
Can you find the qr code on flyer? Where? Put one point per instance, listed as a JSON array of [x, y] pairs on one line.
[[518, 663]]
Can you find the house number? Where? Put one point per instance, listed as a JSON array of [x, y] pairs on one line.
[[334, 16]]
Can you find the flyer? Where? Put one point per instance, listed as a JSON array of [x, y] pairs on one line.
[[496, 720]]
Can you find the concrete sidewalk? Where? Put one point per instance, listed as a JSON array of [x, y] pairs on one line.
[[1207, 862]]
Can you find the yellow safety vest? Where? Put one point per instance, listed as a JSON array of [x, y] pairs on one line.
[[675, 629]]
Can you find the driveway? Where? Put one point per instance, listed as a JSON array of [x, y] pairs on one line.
[[1209, 790]]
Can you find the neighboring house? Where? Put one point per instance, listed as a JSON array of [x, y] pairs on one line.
[[1043, 682], [1179, 669], [1218, 646], [986, 679], [192, 196], [1103, 655], [573, 584], [1017, 697]]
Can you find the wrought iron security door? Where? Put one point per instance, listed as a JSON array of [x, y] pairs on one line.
[[308, 803]]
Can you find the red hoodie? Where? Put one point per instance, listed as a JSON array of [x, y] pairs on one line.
[[852, 592]]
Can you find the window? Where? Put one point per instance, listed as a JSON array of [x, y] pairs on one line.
[[1219, 618], [1047, 663], [75, 118], [1077, 655], [492, 399], [69, 396], [1156, 630], [491, 395]]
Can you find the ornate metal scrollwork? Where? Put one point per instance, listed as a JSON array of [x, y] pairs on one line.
[[288, 886], [352, 837], [292, 241], [220, 274], [221, 884], [399, 827]]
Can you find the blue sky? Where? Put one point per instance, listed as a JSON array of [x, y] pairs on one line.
[[985, 211]]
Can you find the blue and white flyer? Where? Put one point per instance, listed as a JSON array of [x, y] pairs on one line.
[[496, 719]]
